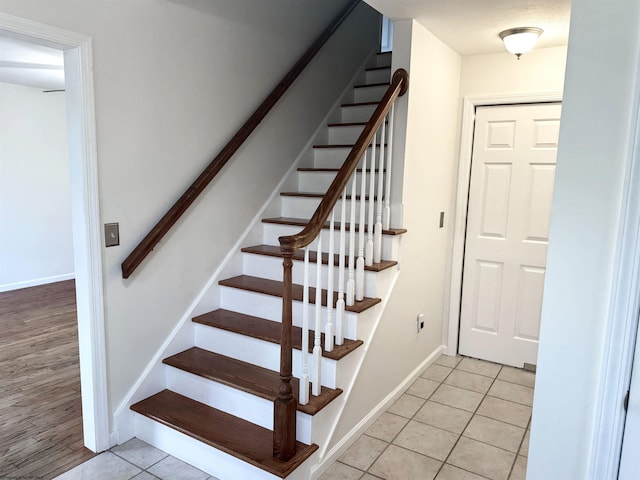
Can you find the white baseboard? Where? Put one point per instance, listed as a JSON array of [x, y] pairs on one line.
[[38, 281], [372, 416]]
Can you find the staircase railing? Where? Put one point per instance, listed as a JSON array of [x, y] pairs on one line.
[[375, 141], [163, 226]]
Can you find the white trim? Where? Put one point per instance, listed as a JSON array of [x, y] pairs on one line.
[[620, 338], [469, 104], [346, 441], [37, 281], [86, 221]]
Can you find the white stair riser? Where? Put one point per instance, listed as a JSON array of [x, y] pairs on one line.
[[231, 400], [347, 135], [357, 113], [377, 76], [271, 268], [369, 94], [258, 352], [271, 232], [305, 207], [319, 181], [270, 307], [383, 60], [207, 458], [336, 156]]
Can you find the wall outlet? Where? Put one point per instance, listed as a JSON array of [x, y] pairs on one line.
[[420, 322]]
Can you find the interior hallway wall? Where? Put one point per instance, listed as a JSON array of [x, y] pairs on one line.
[[427, 116], [174, 80], [36, 244]]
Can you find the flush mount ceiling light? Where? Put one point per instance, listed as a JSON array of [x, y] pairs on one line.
[[520, 40]]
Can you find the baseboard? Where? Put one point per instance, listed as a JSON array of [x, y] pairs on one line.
[[7, 287], [355, 433]]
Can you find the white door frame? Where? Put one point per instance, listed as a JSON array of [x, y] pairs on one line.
[[469, 105], [621, 336], [87, 237]]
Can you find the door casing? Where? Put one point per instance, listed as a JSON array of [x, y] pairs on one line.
[[87, 238]]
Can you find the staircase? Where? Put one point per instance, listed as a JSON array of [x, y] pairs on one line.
[[217, 408]]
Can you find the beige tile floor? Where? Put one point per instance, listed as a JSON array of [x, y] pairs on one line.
[[137, 460], [463, 419]]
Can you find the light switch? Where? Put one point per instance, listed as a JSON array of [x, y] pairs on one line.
[[111, 234]]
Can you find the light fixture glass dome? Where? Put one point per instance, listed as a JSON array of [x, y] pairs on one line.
[[520, 40]]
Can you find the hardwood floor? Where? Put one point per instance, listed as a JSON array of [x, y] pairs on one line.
[[40, 408]]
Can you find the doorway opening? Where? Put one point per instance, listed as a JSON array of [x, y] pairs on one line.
[[86, 228]]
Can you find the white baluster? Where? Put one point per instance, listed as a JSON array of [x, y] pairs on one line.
[[377, 229], [368, 255], [328, 334], [317, 347], [304, 376], [340, 304], [351, 282], [361, 226], [387, 191]]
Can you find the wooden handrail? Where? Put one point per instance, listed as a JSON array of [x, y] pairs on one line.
[[398, 87], [156, 234], [284, 424]]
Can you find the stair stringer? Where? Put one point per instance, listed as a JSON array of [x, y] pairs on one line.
[[152, 380]]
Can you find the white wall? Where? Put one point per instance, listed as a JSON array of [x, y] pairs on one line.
[[540, 70], [430, 112], [596, 136], [174, 79], [36, 244]]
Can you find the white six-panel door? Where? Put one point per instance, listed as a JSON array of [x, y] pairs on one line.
[[510, 193]]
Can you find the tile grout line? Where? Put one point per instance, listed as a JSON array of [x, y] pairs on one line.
[[470, 419], [409, 419], [520, 447]]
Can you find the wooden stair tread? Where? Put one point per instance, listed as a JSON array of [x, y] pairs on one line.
[[235, 436], [245, 376], [274, 288], [319, 195], [371, 69], [359, 104], [349, 124], [274, 251], [268, 330], [301, 222], [368, 85], [341, 145], [330, 170]]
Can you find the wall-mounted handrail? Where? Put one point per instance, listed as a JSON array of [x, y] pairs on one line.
[[156, 234], [285, 404]]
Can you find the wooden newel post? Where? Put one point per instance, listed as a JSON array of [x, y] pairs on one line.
[[285, 405]]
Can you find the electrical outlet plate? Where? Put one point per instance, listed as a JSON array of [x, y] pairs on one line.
[[111, 234]]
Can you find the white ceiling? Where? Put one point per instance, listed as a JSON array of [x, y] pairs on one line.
[[472, 26], [31, 65], [468, 26]]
